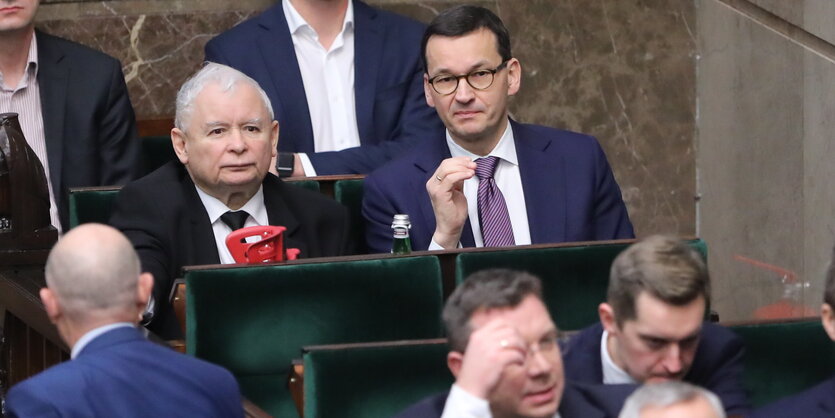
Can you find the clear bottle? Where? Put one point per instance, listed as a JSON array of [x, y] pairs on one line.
[[400, 226]]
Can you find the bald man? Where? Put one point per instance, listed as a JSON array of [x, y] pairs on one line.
[[95, 295]]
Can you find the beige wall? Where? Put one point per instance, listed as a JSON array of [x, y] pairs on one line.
[[765, 86]]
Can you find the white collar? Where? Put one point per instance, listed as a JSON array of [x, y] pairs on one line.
[[295, 21], [612, 373], [505, 149], [254, 206], [92, 334]]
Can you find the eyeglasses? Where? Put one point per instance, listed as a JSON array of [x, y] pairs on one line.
[[478, 79]]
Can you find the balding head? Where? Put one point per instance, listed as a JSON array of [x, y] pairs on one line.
[[93, 273]]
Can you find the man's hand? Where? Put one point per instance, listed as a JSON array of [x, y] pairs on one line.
[[490, 350], [446, 191]]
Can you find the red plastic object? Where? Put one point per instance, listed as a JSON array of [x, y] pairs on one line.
[[269, 249]]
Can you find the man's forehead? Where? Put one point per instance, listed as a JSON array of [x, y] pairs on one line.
[[656, 318], [478, 45]]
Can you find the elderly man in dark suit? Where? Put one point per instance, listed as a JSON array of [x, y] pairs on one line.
[[818, 401], [181, 214], [505, 357], [73, 105], [344, 78], [94, 297], [488, 180], [652, 327]]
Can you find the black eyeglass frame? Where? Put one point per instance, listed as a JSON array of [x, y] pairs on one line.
[[458, 78]]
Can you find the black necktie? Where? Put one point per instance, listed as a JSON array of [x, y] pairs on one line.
[[235, 220]]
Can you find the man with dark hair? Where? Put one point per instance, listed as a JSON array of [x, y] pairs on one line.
[[818, 401], [94, 296], [488, 180], [652, 326], [73, 105], [505, 357], [344, 78]]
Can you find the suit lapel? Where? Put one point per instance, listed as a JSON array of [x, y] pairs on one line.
[[427, 161], [543, 181], [279, 213], [279, 54], [202, 235], [367, 50], [53, 75]]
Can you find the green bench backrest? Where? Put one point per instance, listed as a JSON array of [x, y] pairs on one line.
[[372, 382], [91, 205], [785, 358], [311, 185], [574, 279], [349, 193], [254, 320]]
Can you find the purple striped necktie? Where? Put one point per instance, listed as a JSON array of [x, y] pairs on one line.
[[496, 229]]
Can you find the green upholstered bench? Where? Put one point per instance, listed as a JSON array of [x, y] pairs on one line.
[[254, 320], [372, 380], [91, 204], [349, 193], [574, 278], [311, 185], [785, 358]]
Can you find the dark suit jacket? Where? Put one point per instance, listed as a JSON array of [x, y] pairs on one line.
[[578, 401], [120, 374], [570, 192], [391, 109], [163, 217], [717, 365], [89, 125], [816, 402]]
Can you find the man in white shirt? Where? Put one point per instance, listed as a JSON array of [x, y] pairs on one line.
[[94, 296], [73, 107], [181, 214], [487, 180], [344, 78], [505, 357], [652, 327]]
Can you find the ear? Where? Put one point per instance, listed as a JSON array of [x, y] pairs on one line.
[[427, 91], [607, 317], [51, 305], [144, 288], [454, 360], [274, 136], [178, 141], [828, 320], [514, 76]]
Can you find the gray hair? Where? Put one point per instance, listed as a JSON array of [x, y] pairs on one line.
[[667, 394], [225, 77], [93, 270]]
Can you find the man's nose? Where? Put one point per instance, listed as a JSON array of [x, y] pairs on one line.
[[464, 93], [672, 359], [538, 363], [237, 143]]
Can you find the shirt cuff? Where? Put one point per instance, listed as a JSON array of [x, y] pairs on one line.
[[309, 171], [434, 246], [461, 404]]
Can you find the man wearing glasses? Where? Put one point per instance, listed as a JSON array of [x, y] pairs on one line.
[[487, 180]]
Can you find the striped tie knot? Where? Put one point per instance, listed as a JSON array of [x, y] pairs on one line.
[[485, 167]]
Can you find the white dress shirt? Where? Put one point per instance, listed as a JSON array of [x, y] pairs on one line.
[[612, 374], [328, 77], [93, 333], [25, 100], [509, 183], [461, 404], [215, 208]]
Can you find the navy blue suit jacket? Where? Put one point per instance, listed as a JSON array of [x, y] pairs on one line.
[[717, 365], [570, 192], [817, 402], [578, 401], [89, 124], [392, 114], [120, 374]]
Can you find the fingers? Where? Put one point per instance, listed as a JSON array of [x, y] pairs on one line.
[[453, 170], [491, 349]]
